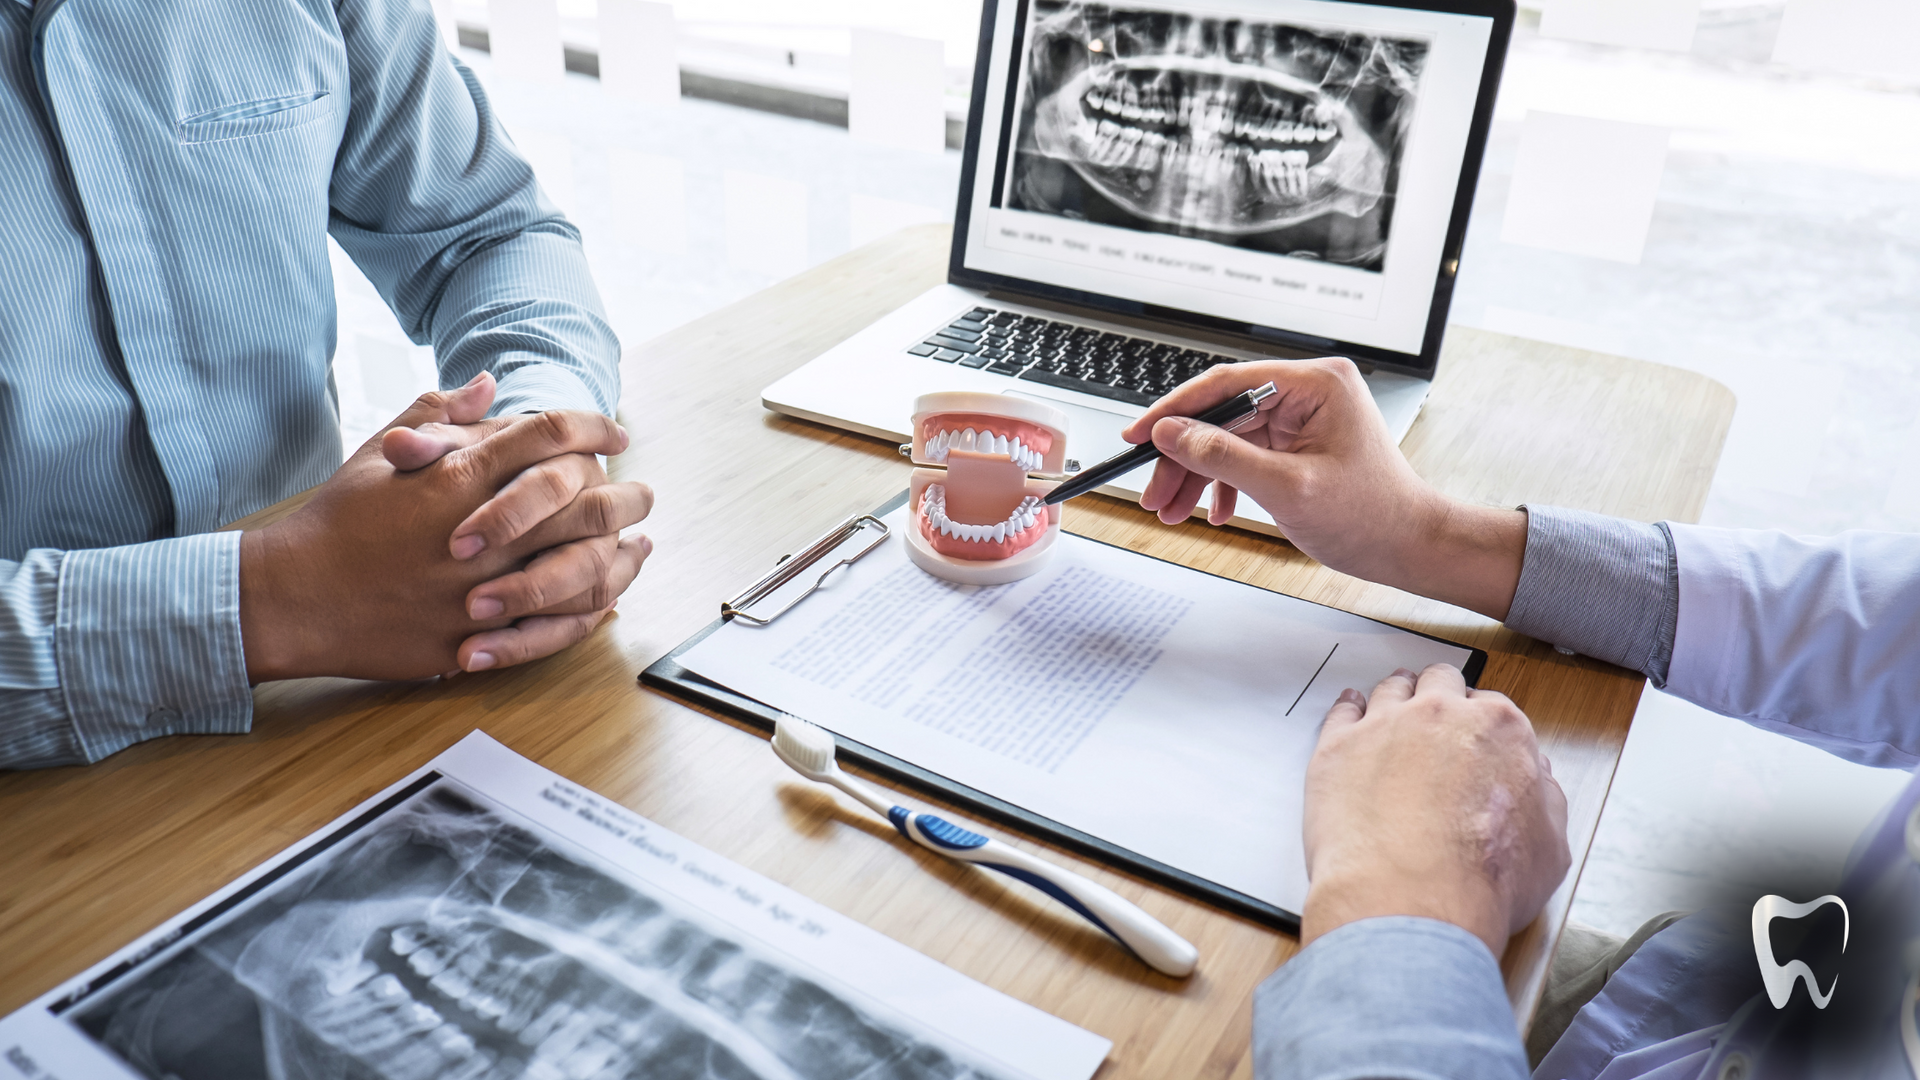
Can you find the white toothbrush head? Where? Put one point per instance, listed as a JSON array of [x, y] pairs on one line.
[[806, 748]]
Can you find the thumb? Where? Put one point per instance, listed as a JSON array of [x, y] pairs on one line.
[[431, 428], [471, 402], [1220, 455], [462, 406]]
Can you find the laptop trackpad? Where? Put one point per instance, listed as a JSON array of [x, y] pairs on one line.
[[1093, 435]]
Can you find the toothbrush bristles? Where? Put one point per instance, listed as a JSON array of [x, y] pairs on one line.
[[804, 745]]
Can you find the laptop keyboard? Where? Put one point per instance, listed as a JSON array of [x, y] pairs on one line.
[[1104, 364]]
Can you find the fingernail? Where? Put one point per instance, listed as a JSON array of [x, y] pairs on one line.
[[1404, 673], [486, 607], [475, 381], [646, 547], [480, 661], [624, 439], [466, 547], [1353, 697]]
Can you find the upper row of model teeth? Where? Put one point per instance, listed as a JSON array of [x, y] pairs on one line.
[[1024, 516], [984, 442]]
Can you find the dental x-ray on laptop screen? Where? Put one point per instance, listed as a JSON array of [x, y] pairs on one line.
[[1148, 189]]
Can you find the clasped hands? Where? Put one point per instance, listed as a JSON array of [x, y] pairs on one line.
[[451, 541]]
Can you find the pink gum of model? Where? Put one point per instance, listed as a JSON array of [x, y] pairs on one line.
[[979, 520]]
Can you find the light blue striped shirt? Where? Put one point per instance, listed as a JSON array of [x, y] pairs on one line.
[[170, 173]]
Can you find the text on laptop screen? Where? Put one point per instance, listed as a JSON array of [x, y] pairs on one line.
[[1289, 164]]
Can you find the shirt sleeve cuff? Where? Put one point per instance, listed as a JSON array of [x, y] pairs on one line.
[[148, 642], [540, 387], [1394, 998], [1600, 586]]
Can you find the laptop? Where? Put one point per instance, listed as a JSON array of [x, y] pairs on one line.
[[1152, 188]]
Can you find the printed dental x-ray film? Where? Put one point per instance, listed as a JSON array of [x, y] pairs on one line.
[[451, 939], [1280, 138]]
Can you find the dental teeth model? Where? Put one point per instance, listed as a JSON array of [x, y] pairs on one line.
[[979, 521]]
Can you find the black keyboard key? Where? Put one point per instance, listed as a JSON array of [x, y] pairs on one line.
[[1067, 382], [1006, 367], [973, 361], [974, 325], [923, 350], [948, 355], [957, 345], [963, 335], [980, 314]]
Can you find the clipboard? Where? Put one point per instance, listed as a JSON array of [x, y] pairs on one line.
[[792, 573]]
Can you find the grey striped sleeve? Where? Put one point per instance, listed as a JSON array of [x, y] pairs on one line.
[[1600, 586], [143, 641], [149, 641], [34, 729]]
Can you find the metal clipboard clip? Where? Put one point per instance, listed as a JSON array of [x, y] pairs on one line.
[[792, 566]]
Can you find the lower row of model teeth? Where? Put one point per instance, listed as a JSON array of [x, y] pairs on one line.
[[984, 442], [1024, 517]]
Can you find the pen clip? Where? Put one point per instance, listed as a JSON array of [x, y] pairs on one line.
[[1254, 397]]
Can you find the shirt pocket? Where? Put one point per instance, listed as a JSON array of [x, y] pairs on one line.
[[263, 116]]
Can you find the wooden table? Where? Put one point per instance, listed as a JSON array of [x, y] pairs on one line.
[[93, 857]]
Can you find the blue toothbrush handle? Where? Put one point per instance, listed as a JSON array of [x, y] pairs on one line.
[[1147, 937]]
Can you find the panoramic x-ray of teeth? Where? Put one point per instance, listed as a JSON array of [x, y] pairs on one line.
[[1278, 138], [448, 943]]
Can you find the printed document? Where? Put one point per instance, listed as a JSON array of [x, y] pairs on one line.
[[1158, 708], [485, 919]]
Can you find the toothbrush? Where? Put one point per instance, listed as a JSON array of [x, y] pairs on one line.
[[809, 751]]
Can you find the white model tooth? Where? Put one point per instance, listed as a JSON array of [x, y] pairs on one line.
[[999, 444], [999, 532], [966, 439]]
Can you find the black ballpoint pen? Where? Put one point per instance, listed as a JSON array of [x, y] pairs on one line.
[[1229, 414]]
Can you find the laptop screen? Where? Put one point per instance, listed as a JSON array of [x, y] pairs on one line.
[[1299, 166]]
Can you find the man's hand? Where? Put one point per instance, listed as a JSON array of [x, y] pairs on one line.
[[361, 582], [1319, 459], [561, 596], [1431, 799]]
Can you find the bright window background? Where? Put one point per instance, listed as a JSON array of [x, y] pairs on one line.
[[1781, 256]]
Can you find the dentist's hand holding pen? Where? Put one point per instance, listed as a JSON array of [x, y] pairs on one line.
[[1425, 797]]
